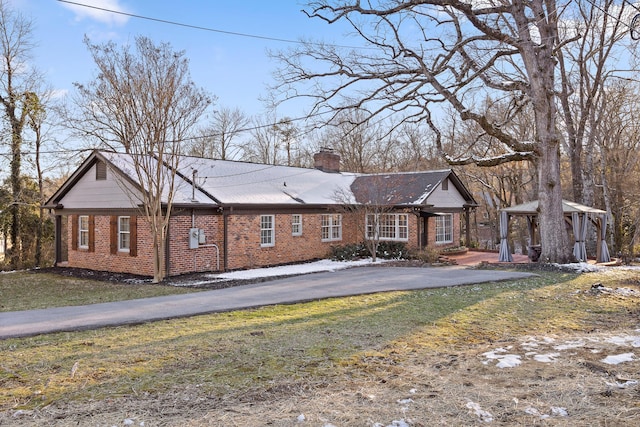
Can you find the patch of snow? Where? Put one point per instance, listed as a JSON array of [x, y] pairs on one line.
[[581, 267], [504, 360], [546, 358], [301, 418], [394, 423], [405, 401], [557, 411], [619, 358], [285, 270], [479, 412], [623, 341], [569, 345], [534, 411], [625, 384]]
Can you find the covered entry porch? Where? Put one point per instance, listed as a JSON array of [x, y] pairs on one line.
[[576, 216]]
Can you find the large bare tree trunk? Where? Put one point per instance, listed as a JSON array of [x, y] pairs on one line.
[[553, 234]]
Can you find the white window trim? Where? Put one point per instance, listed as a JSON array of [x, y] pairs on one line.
[[439, 235], [121, 233], [396, 227], [334, 223], [297, 224], [271, 230], [82, 231]]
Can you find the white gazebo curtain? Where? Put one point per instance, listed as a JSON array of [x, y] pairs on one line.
[[603, 252], [579, 223], [505, 253]]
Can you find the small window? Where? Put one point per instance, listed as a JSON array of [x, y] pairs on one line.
[[331, 227], [267, 230], [445, 185], [83, 231], [444, 228], [124, 233], [101, 171], [296, 225]]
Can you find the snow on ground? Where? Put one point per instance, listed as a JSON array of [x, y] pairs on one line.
[[288, 270], [548, 350]]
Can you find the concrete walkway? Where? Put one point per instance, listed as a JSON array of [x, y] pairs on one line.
[[355, 281]]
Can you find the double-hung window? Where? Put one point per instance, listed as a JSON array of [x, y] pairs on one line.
[[331, 227], [444, 228], [267, 230], [83, 231], [388, 226], [124, 233], [296, 225]]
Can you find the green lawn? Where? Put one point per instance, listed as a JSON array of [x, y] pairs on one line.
[[34, 290]]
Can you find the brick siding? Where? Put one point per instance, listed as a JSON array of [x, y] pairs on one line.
[[244, 250]]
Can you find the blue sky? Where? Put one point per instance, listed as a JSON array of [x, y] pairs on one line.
[[236, 69]]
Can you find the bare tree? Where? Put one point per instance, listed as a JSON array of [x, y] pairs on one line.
[[36, 118], [288, 134], [418, 56], [17, 80], [217, 139], [355, 140], [415, 149], [145, 102], [369, 202], [619, 150], [264, 146], [586, 69]]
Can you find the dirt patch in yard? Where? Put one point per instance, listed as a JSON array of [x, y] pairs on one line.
[[464, 386]]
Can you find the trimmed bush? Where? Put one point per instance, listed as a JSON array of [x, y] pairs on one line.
[[386, 250], [349, 252]]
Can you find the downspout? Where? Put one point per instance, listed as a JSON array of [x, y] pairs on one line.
[[167, 252], [58, 239], [467, 220], [225, 240]]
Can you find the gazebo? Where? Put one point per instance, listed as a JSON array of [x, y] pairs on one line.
[[575, 214]]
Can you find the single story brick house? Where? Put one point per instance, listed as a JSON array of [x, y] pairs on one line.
[[230, 215]]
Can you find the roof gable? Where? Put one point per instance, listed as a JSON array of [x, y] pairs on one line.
[[408, 188]]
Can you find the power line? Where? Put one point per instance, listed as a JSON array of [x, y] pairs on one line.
[[198, 27]]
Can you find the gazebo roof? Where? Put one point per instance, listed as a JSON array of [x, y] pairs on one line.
[[531, 208]]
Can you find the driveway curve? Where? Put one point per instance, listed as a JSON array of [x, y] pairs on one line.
[[354, 281]]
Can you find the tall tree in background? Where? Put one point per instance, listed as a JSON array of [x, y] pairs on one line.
[[264, 145], [288, 134], [619, 162], [586, 69], [418, 56], [143, 100], [35, 120], [218, 137], [17, 80]]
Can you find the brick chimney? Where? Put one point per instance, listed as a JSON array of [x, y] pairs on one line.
[[327, 160]]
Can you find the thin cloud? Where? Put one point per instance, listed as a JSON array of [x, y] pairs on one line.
[[97, 14]]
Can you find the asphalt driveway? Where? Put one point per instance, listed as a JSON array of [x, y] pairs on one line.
[[354, 281]]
